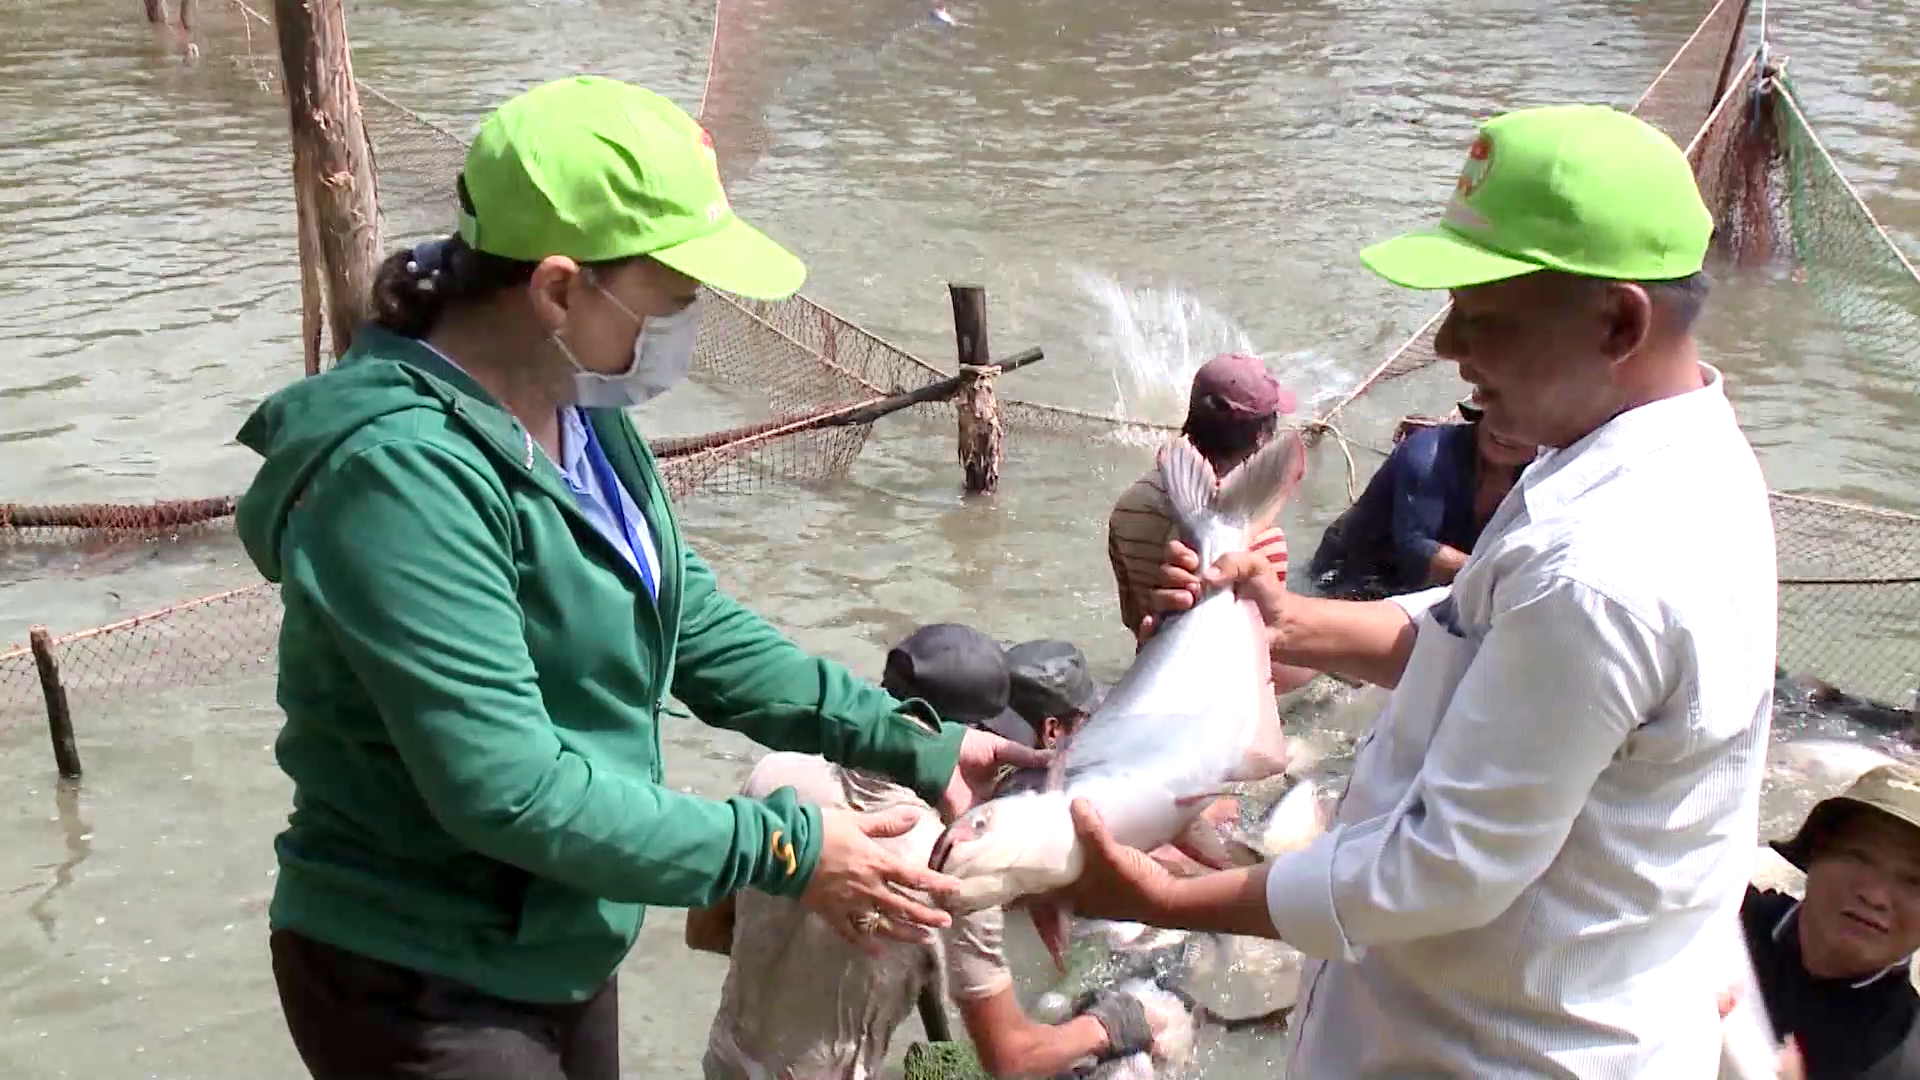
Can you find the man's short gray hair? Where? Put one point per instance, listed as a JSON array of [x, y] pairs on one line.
[[1682, 298]]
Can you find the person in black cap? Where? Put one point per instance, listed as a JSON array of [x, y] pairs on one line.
[[962, 673], [1421, 513], [800, 1001], [1051, 688]]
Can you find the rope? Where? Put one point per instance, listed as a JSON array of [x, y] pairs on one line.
[[1697, 31], [1374, 376], [1319, 427]]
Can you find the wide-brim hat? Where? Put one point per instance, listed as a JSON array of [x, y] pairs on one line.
[[1893, 790]]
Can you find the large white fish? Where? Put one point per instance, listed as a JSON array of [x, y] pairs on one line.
[[1193, 713]]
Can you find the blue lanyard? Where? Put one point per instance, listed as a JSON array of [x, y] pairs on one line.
[[610, 486]]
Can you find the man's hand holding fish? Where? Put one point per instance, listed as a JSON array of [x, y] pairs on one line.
[[1368, 641], [984, 759]]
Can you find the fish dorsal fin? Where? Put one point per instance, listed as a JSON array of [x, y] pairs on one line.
[[1250, 496]]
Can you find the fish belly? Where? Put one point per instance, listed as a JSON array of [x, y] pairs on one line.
[[1189, 717]]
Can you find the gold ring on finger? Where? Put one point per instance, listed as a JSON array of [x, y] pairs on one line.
[[867, 922]]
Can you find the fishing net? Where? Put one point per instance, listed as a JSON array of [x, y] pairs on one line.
[[1850, 576]]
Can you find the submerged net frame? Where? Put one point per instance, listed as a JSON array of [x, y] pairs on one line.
[[1850, 575]]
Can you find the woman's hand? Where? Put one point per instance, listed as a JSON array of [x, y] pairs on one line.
[[1182, 581], [983, 756], [1116, 881], [855, 885]]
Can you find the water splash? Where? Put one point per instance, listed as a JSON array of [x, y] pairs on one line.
[[1155, 338]]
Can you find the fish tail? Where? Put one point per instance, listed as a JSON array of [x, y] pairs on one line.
[[1191, 485], [1253, 493], [1248, 498]]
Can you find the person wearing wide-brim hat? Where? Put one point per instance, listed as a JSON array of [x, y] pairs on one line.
[[488, 601], [1833, 966]]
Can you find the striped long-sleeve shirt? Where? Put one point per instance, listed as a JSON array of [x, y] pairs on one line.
[[1137, 534], [1537, 864]]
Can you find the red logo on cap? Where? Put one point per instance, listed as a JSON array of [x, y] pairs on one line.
[[706, 147], [1474, 172], [718, 208]]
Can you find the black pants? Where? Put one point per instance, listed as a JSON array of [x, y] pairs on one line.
[[355, 1018]]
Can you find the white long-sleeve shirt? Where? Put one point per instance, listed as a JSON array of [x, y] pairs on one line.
[[1551, 824]]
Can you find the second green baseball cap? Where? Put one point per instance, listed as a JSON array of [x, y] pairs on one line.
[[597, 169], [1583, 189]]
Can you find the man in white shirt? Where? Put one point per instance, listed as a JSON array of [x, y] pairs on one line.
[[1536, 865]]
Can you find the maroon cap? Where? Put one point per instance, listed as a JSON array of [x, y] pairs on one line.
[[1238, 383]]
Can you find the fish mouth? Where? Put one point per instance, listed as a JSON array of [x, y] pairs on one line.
[[942, 848], [966, 827]]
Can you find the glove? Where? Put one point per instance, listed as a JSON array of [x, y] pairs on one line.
[[1125, 1019]]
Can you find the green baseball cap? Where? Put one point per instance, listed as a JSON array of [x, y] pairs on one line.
[[597, 169], [1584, 189]]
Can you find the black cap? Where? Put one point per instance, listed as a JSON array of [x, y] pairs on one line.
[[962, 673], [1050, 678]]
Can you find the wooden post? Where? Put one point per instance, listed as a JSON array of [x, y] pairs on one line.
[[332, 160], [59, 719], [979, 411]]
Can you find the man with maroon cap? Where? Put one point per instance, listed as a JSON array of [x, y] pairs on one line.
[[1234, 408]]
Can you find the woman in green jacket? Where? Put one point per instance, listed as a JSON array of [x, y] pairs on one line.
[[488, 599]]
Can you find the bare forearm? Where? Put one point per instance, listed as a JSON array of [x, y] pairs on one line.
[[1229, 902], [711, 929], [1445, 564], [1368, 640], [1053, 1050], [1010, 1044]]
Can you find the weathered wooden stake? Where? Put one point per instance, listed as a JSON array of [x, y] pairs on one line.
[[59, 719], [979, 411], [312, 292], [332, 160]]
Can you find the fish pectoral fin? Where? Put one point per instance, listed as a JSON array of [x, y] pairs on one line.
[[1204, 844], [1267, 757], [1050, 922]]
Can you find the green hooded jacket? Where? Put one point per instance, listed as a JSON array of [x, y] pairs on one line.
[[472, 677]]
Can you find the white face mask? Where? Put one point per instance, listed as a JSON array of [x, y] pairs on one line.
[[662, 356]]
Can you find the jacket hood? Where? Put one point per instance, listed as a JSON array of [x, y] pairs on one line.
[[298, 427]]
